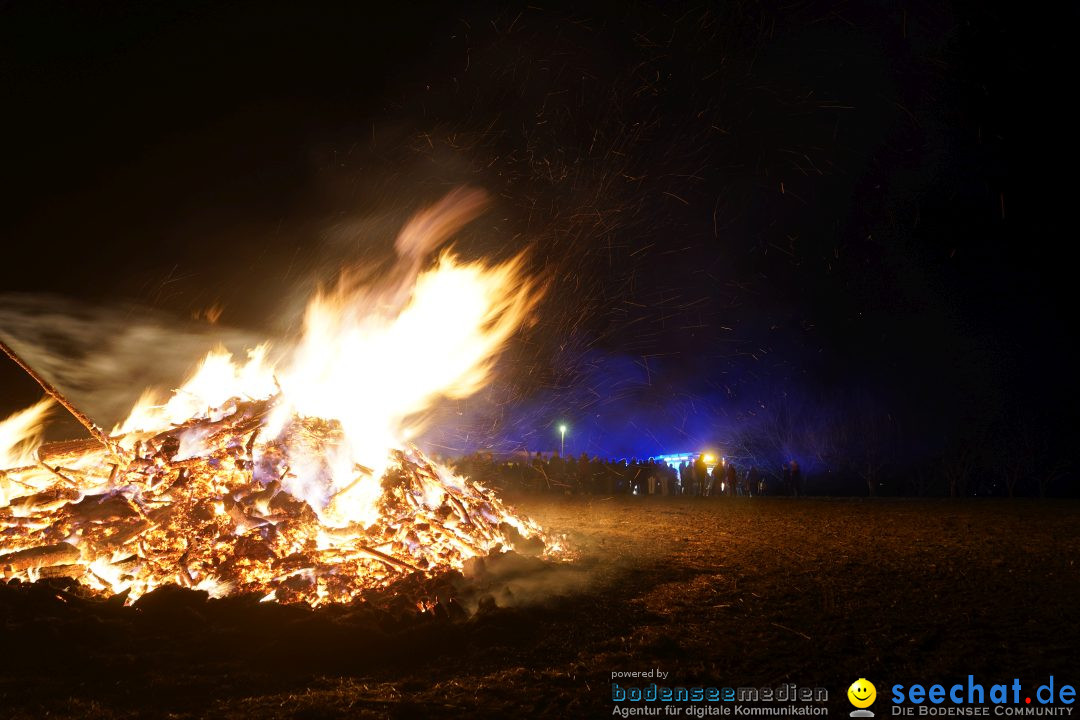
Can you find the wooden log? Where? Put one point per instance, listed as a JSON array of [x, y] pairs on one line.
[[60, 475], [247, 417], [57, 453], [461, 507], [34, 522], [237, 430], [129, 530], [101, 509], [393, 561], [6, 477], [18, 470], [250, 445], [162, 514], [71, 571], [38, 557], [45, 500]]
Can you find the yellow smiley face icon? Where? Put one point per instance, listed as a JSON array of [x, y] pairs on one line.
[[862, 693]]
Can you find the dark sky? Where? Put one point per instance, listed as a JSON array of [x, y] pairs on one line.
[[733, 202]]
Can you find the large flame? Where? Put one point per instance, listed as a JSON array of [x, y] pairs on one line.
[[340, 406], [388, 368], [372, 356]]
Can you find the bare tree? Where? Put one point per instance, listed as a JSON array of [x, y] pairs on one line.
[[922, 480], [958, 464], [1018, 450], [1050, 472], [1024, 452], [789, 426], [872, 440], [770, 432]]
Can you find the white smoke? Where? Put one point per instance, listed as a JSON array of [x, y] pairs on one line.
[[102, 357]]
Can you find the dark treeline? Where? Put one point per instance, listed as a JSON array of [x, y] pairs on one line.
[[859, 442]]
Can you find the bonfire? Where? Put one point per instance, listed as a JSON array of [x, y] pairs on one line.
[[294, 478]]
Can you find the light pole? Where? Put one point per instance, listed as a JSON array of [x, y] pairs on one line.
[[562, 440]]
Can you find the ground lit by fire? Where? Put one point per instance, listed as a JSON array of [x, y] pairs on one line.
[[290, 474], [739, 591]]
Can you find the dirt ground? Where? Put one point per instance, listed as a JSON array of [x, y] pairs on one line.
[[715, 592]]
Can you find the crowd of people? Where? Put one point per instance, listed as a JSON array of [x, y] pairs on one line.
[[596, 476]]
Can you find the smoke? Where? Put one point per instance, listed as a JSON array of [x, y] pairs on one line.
[[102, 357], [512, 579]]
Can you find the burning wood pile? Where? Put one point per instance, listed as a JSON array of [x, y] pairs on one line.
[[221, 521], [296, 480]]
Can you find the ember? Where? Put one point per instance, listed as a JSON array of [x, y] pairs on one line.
[[296, 483]]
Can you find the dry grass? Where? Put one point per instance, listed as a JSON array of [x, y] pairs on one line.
[[717, 592]]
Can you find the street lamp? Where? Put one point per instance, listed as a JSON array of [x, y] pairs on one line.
[[562, 440]]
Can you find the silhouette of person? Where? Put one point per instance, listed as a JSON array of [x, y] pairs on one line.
[[701, 473], [796, 479], [754, 481]]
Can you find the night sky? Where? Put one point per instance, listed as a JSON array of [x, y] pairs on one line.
[[737, 205]]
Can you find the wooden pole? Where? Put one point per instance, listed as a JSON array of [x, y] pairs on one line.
[[56, 395]]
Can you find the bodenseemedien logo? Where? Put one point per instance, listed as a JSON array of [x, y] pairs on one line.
[[862, 694]]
